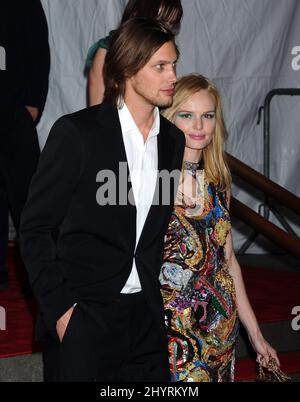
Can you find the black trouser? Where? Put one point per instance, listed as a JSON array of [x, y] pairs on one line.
[[19, 154], [127, 347]]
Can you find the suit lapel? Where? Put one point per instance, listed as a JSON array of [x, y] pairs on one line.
[[125, 216], [166, 162], [165, 148], [108, 119]]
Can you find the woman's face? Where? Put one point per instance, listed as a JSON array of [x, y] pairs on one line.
[[197, 119]]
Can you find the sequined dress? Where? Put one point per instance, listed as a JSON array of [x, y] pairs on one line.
[[197, 289]]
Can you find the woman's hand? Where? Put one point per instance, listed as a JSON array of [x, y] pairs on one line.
[[263, 350]]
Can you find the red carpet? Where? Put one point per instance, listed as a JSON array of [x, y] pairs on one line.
[[273, 294], [18, 337]]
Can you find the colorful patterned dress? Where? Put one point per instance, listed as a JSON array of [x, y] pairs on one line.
[[198, 291]]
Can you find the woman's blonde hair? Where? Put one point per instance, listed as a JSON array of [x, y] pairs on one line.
[[215, 165]]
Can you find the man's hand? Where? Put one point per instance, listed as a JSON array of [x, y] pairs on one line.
[[62, 323], [34, 112]]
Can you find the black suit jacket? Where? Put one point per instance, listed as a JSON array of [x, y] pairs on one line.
[[74, 249]]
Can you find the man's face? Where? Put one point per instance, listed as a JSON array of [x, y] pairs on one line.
[[154, 83]]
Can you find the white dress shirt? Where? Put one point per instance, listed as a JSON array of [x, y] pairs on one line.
[[143, 164]]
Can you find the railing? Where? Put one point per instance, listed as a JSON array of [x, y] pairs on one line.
[[266, 109], [268, 229], [271, 190], [268, 186], [260, 224], [267, 113]]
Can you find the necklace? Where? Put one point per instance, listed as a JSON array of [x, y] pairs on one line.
[[190, 167], [190, 193]]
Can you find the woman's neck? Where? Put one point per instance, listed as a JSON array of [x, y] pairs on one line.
[[192, 155]]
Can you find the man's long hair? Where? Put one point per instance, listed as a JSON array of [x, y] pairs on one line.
[[132, 46]]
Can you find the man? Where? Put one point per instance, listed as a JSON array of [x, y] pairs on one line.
[[23, 90], [94, 266]]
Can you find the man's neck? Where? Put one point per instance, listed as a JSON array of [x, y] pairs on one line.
[[143, 115]]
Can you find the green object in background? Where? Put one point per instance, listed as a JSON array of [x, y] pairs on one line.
[[101, 43]]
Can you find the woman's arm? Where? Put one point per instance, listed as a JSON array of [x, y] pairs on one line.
[[96, 84], [245, 311]]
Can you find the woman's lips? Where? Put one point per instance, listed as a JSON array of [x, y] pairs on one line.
[[197, 137]]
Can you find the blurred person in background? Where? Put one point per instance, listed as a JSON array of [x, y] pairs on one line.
[[23, 92]]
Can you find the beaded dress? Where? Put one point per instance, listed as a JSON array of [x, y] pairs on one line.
[[197, 289]]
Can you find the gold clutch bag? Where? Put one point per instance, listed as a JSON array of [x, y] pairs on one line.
[[272, 373]]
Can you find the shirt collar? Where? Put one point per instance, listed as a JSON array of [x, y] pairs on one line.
[[128, 124]]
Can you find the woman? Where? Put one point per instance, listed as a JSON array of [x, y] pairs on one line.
[[167, 11], [202, 284]]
